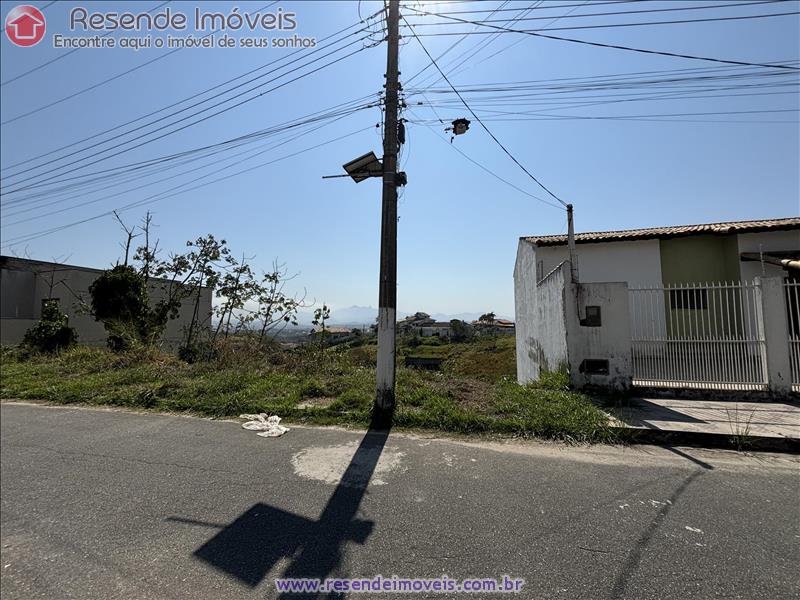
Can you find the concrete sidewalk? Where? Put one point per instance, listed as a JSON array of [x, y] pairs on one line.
[[755, 420]]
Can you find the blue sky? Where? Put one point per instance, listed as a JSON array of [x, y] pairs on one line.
[[458, 226]]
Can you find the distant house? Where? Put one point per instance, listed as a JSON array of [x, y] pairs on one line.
[[333, 335], [435, 329], [26, 284], [413, 323], [497, 327]]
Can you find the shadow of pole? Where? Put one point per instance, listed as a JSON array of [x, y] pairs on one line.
[[250, 546]]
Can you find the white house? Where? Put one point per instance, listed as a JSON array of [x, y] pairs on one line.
[[679, 305]]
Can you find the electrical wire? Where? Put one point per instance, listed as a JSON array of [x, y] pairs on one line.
[[131, 70], [65, 54], [170, 132], [252, 153], [489, 171], [602, 45], [139, 171], [190, 97], [610, 25], [621, 12], [166, 194], [472, 112]]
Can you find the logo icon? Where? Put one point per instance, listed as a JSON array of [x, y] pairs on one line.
[[25, 25]]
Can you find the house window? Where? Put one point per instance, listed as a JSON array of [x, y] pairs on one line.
[[539, 270], [592, 318], [692, 299]]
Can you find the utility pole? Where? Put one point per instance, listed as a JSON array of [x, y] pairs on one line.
[[573, 258], [387, 296]]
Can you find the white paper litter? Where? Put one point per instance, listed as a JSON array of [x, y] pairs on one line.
[[265, 425]]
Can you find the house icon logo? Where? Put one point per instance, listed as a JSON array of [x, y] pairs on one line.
[[25, 25]]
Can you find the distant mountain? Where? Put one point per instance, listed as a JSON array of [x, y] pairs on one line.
[[351, 316], [362, 315]]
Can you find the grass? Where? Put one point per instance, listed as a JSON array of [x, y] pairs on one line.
[[287, 383]]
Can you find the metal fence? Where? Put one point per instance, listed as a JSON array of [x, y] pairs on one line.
[[699, 335], [792, 287]]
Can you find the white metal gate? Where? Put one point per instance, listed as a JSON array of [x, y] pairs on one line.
[[792, 287], [707, 336]]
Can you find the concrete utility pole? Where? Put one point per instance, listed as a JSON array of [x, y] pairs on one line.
[[573, 258], [387, 297]]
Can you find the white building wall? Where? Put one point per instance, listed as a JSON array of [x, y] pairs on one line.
[[765, 242], [539, 313], [611, 341], [637, 262]]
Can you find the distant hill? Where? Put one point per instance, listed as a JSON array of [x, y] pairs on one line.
[[358, 316]]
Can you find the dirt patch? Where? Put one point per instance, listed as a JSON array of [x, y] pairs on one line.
[[321, 402]]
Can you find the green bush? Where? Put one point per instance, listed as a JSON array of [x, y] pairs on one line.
[[119, 301], [51, 333]]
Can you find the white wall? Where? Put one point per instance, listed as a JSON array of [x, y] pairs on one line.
[[764, 242], [540, 320], [637, 262], [610, 341]]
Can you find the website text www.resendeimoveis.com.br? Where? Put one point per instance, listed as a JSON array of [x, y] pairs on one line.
[[396, 584]]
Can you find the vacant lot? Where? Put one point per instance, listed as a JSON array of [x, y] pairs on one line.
[[473, 393]]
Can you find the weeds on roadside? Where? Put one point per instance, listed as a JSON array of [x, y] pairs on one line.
[[740, 427], [243, 379]]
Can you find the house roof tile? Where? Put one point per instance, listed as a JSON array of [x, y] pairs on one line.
[[669, 232]]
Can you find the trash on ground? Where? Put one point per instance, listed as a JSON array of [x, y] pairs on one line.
[[266, 426]]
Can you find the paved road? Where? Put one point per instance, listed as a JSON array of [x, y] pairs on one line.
[[112, 504]]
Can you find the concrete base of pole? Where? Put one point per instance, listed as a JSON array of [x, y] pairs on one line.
[[382, 417], [384, 394]]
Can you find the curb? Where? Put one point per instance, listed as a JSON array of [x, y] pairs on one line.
[[660, 437]]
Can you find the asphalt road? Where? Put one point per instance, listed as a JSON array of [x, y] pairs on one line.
[[113, 504]]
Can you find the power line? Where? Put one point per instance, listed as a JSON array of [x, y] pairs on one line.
[[139, 170], [512, 44], [620, 12], [601, 45], [162, 196], [195, 95], [252, 154], [65, 54], [524, 8], [477, 118], [136, 68], [489, 171], [163, 135], [610, 25]]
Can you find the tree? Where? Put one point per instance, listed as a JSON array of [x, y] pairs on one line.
[[487, 319], [275, 308], [136, 300], [236, 287], [459, 330], [51, 333], [119, 300], [321, 315]]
